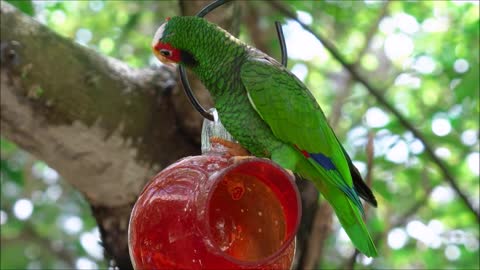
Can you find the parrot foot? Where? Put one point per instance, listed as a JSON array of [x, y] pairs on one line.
[[234, 149], [291, 173]]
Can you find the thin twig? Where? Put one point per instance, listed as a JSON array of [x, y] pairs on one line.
[[370, 150], [29, 234], [350, 263], [399, 221], [258, 35], [414, 208], [322, 226], [310, 205], [349, 82], [377, 93]]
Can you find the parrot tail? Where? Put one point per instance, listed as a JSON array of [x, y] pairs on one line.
[[348, 210], [349, 216], [360, 187]]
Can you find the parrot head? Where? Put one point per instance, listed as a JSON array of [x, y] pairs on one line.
[[189, 40], [164, 51]]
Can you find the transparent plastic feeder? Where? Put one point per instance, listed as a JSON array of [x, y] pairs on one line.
[[216, 211]]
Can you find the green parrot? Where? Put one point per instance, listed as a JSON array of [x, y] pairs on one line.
[[271, 113]]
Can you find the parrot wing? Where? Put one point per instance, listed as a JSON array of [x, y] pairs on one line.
[[294, 116]]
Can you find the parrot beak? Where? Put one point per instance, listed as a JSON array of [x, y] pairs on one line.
[[156, 39], [156, 42]]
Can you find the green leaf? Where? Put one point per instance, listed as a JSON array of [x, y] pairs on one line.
[[12, 174], [469, 85], [25, 6]]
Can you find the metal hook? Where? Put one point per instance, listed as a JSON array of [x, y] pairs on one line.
[[283, 46], [210, 7], [191, 95], [183, 74]]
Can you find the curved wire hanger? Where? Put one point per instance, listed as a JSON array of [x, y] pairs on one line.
[[183, 74]]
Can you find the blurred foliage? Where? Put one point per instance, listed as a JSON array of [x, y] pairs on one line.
[[25, 6], [45, 223], [425, 55]]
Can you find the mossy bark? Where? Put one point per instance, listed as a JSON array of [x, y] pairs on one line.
[[105, 127]]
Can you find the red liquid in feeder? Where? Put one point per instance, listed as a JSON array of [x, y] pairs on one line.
[[246, 219], [190, 217]]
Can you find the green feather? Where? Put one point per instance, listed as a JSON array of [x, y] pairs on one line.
[[347, 211], [291, 111]]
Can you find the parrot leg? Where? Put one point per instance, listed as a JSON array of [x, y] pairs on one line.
[[286, 156], [234, 149]]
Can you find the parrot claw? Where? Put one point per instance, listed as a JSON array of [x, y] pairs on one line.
[[233, 149], [290, 172]]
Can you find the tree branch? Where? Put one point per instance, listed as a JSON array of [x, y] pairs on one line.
[[348, 81], [105, 127], [322, 226], [29, 235], [370, 150], [405, 216], [91, 116], [377, 93], [258, 35]]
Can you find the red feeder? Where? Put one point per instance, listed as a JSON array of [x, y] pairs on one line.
[[216, 212]]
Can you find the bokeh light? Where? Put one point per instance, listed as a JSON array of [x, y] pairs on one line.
[[469, 137], [473, 161], [441, 127], [424, 64], [398, 153], [397, 238], [300, 44], [300, 70], [91, 243], [96, 5], [461, 66], [452, 252], [416, 147], [442, 194], [443, 152], [84, 263], [3, 217], [398, 46], [83, 36], [406, 23], [376, 117], [72, 224], [304, 17], [23, 209]]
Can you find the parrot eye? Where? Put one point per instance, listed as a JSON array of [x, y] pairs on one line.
[[165, 53]]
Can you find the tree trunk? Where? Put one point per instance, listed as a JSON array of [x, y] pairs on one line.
[[105, 127]]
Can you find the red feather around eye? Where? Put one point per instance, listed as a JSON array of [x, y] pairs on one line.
[[175, 54]]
